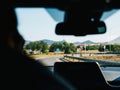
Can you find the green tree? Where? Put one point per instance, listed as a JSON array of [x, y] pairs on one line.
[[101, 48], [65, 47], [53, 47], [116, 48], [92, 47], [37, 45], [113, 48], [69, 48]]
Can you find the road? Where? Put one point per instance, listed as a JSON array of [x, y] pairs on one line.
[[49, 61]]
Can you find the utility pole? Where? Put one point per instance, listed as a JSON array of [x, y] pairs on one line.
[[85, 49]]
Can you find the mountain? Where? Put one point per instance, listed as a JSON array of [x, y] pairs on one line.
[[77, 42], [27, 42], [49, 42], [85, 42], [88, 42], [115, 41]]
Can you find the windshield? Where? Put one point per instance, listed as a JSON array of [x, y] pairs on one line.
[[37, 26]]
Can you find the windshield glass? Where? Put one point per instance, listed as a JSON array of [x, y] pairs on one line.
[[37, 26]]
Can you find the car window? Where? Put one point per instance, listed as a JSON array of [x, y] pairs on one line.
[[37, 26]]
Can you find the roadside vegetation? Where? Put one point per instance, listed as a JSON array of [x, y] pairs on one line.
[[42, 49], [108, 58]]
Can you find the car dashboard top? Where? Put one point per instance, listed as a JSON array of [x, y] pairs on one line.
[[84, 73]]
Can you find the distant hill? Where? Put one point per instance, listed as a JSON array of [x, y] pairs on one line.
[[27, 42], [88, 42], [77, 42], [85, 42], [49, 42], [115, 41]]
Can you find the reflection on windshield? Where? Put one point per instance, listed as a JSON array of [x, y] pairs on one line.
[[37, 27]]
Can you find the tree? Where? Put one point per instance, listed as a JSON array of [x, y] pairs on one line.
[[93, 47], [53, 47], [69, 48], [37, 45], [101, 48], [113, 48], [64, 47]]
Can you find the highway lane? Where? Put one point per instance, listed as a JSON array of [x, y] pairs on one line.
[[49, 61]]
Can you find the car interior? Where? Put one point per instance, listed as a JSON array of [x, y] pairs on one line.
[[77, 18]]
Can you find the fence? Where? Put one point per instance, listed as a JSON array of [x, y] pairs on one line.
[[101, 62]]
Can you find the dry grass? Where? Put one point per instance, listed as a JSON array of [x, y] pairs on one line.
[[45, 55], [109, 58]]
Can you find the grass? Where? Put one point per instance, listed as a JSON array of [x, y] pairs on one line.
[[45, 55], [108, 58]]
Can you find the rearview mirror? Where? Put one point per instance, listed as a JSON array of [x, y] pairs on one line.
[[80, 29]]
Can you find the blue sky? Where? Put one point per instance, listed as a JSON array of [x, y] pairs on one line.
[[36, 24]]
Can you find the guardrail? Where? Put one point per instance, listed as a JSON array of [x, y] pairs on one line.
[[101, 62]]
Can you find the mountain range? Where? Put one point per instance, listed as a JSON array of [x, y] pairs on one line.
[[115, 41], [49, 42]]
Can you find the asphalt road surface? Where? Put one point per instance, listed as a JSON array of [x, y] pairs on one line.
[[49, 61]]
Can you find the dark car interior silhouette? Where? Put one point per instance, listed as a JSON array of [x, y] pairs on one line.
[[81, 18]]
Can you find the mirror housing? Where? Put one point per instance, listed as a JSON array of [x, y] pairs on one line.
[[81, 29], [79, 22]]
